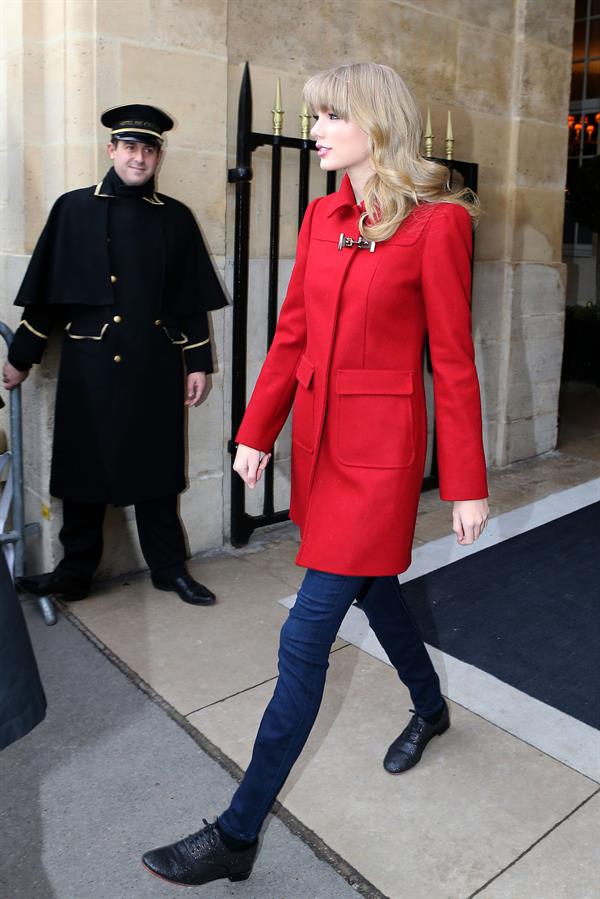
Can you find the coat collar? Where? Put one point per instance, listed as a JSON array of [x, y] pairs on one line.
[[104, 189], [408, 230], [342, 197]]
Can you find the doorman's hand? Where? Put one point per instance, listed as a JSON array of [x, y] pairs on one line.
[[196, 385], [469, 518], [250, 464], [12, 377]]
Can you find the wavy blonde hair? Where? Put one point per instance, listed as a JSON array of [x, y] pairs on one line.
[[376, 99]]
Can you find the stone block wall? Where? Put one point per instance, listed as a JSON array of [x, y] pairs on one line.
[[503, 69], [62, 64], [501, 66]]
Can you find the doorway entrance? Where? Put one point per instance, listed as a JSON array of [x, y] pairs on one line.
[[579, 406]]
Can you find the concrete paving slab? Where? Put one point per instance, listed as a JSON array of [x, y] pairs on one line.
[[108, 775], [278, 559], [565, 865], [187, 652], [479, 798]]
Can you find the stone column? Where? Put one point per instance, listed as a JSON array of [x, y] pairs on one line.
[[532, 330], [62, 64]]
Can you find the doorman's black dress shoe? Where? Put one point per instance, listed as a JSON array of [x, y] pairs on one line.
[[55, 583], [407, 749], [200, 858], [186, 588]]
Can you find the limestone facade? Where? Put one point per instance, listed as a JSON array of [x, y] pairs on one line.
[[501, 67]]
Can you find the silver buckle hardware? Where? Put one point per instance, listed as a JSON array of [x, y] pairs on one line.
[[362, 243]]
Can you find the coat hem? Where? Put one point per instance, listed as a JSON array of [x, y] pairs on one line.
[[113, 500], [303, 560]]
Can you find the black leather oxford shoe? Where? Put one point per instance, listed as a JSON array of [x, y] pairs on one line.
[[186, 588], [200, 858], [407, 749], [54, 583]]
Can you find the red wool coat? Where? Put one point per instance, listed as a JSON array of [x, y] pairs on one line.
[[348, 354]]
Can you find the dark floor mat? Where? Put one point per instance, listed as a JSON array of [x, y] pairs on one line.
[[526, 611]]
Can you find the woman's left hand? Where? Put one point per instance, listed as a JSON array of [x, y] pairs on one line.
[[469, 518]]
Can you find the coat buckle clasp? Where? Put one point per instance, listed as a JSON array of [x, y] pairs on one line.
[[362, 243]]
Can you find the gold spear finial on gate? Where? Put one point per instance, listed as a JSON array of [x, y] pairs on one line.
[[449, 139], [304, 122], [277, 111], [428, 135]]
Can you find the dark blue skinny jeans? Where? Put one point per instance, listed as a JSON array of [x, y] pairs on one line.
[[305, 644]]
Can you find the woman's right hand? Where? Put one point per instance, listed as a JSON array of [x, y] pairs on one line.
[[249, 464]]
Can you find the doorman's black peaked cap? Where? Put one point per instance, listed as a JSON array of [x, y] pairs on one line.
[[137, 122]]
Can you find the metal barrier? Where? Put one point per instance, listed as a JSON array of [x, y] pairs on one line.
[[19, 530]]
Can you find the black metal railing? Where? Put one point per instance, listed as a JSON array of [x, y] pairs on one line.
[[242, 523]]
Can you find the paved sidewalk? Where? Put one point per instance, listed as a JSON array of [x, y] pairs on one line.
[[112, 772], [108, 775]]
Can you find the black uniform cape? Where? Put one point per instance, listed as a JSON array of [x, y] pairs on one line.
[[130, 279], [71, 261]]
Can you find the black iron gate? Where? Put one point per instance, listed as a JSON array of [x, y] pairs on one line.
[[242, 523]]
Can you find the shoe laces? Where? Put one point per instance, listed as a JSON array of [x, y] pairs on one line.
[[416, 727], [202, 839]]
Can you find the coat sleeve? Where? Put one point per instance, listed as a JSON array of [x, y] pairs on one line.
[[275, 388], [28, 345], [446, 284], [197, 352]]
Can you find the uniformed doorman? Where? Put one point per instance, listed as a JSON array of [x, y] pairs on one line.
[[124, 271]]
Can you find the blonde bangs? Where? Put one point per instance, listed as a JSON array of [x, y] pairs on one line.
[[328, 90], [377, 99]]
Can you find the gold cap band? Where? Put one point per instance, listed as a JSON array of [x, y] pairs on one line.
[[134, 130]]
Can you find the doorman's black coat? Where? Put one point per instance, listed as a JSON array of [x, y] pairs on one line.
[[22, 700], [130, 280], [72, 261]]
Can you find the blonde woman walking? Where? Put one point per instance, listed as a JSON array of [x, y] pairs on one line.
[[379, 264]]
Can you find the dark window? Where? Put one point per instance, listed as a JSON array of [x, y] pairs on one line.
[[584, 112], [579, 40], [577, 81]]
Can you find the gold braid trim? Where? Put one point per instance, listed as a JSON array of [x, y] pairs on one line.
[[86, 336], [33, 331], [193, 345]]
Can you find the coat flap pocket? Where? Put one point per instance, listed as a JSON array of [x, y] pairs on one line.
[[175, 334], [305, 372], [374, 381], [86, 328], [87, 322]]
